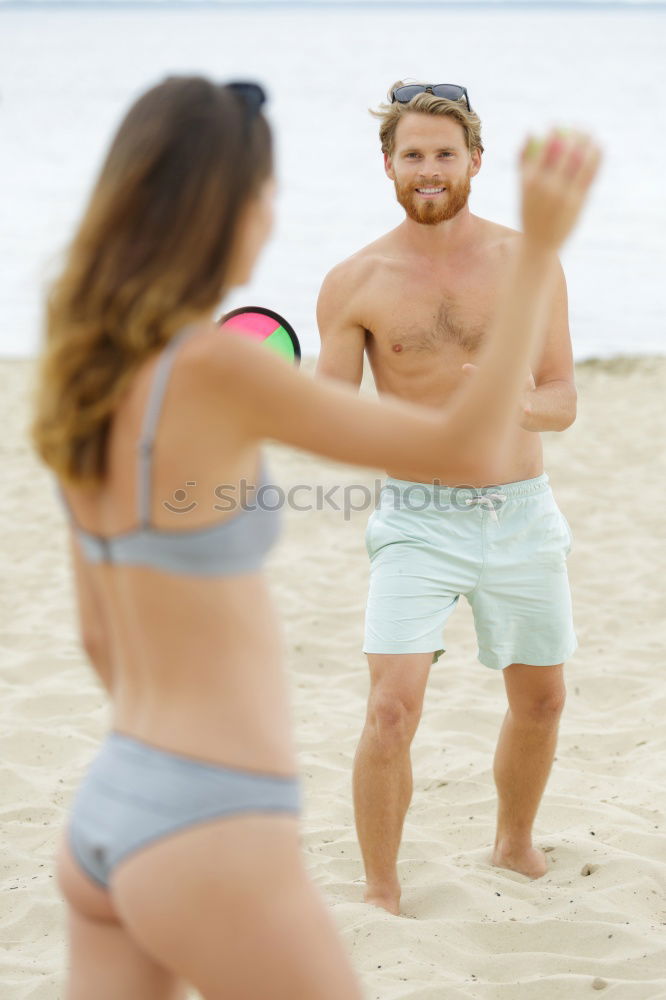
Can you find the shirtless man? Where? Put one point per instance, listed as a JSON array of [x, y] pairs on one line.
[[419, 301]]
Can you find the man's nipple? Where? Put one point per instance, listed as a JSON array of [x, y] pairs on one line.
[[397, 348]]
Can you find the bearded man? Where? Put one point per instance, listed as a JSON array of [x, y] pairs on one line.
[[419, 301]]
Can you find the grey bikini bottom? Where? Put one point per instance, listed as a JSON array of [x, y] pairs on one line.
[[135, 793]]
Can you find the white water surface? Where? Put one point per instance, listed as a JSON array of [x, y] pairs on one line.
[[67, 76]]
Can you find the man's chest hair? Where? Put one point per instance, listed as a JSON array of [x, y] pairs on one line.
[[422, 326]]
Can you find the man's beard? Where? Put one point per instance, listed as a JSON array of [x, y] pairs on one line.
[[430, 212]]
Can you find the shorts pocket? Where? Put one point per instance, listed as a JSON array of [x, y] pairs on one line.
[[382, 530], [368, 534], [551, 532], [565, 524]]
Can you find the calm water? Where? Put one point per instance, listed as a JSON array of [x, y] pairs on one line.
[[66, 76]]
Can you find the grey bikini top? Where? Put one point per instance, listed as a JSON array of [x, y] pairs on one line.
[[237, 545]]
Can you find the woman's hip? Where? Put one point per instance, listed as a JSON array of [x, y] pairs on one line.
[[135, 794]]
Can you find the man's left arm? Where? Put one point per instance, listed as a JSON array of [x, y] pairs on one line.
[[551, 404]]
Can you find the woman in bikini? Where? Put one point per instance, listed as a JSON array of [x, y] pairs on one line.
[[181, 864]]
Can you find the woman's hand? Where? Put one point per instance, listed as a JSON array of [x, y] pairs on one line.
[[556, 175]]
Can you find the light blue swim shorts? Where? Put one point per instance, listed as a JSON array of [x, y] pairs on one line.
[[503, 547]]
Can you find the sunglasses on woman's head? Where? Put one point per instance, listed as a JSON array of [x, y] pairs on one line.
[[451, 91], [252, 95]]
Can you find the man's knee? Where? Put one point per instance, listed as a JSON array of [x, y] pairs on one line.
[[544, 708], [393, 718], [535, 694]]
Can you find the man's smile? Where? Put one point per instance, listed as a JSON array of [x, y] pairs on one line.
[[430, 192]]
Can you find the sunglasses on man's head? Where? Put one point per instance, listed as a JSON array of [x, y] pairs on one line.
[[252, 95], [451, 91]]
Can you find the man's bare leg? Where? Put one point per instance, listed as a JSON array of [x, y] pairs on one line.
[[523, 760], [383, 770]]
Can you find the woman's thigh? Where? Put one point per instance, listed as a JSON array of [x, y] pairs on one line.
[[228, 906], [104, 959]]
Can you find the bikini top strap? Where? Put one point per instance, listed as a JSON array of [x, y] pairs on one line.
[[150, 420], [60, 493]]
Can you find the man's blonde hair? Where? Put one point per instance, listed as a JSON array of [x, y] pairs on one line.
[[390, 114]]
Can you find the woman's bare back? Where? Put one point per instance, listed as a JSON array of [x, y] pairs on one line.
[[195, 661]]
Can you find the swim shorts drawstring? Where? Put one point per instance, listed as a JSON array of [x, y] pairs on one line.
[[487, 500]]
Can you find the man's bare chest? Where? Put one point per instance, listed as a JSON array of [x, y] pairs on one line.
[[420, 319]]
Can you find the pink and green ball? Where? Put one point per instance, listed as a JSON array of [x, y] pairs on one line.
[[257, 326]]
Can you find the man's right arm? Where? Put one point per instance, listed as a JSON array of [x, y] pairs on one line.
[[342, 336]]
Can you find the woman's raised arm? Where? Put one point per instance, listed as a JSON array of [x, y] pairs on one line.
[[284, 405]]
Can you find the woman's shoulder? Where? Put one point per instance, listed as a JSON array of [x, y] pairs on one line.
[[223, 364], [218, 351]]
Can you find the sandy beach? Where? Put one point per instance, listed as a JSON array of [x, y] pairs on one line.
[[594, 925]]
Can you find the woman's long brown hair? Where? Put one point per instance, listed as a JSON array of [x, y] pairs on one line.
[[151, 253]]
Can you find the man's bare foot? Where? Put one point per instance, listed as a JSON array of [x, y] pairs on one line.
[[389, 901], [528, 861]]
